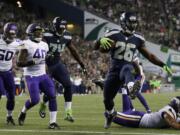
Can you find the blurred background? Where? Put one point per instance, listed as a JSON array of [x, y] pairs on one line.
[[159, 22]]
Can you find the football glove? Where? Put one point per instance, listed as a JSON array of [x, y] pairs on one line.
[[167, 69], [105, 43]]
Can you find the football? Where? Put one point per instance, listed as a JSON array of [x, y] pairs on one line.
[[103, 50]]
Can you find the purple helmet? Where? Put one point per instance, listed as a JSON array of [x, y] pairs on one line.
[[10, 30], [35, 31]]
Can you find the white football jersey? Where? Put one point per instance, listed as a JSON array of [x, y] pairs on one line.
[[37, 52], [7, 52], [156, 120]]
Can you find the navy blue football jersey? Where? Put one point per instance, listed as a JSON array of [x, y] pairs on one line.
[[57, 44], [126, 48]]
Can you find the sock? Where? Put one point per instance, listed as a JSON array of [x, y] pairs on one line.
[[53, 116], [67, 105], [9, 113], [143, 101], [111, 111], [24, 109], [124, 91]]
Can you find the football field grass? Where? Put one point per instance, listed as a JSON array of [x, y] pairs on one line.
[[88, 113]]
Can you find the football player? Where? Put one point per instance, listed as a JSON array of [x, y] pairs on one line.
[[57, 41], [8, 48], [139, 75], [32, 58], [164, 118], [125, 43]]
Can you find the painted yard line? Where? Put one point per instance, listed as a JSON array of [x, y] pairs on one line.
[[82, 132], [76, 118]]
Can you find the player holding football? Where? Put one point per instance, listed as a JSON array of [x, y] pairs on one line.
[[32, 58], [57, 41], [8, 48], [126, 43], [164, 118]]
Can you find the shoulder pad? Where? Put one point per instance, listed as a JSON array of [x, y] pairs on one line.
[[111, 32], [139, 36], [18, 42], [66, 32], [48, 34], [67, 35]]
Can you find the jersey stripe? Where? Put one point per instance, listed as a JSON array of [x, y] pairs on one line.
[[139, 36], [129, 116], [110, 33]]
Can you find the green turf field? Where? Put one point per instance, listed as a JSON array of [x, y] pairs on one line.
[[88, 112]]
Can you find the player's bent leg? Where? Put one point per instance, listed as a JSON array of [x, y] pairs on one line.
[[42, 109], [51, 94], [110, 92], [10, 94], [143, 102], [53, 113], [21, 118], [10, 107], [63, 77]]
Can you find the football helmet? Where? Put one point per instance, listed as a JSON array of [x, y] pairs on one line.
[[128, 22], [59, 24], [35, 32], [10, 31], [175, 104]]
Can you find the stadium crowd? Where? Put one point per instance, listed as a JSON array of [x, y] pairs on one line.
[[155, 28], [159, 20]]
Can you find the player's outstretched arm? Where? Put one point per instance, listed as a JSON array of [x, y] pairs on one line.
[[74, 53], [152, 58], [171, 121]]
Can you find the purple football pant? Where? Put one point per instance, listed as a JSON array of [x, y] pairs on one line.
[[7, 84], [46, 85], [128, 117]]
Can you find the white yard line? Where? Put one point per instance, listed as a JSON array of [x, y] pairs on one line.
[[80, 132]]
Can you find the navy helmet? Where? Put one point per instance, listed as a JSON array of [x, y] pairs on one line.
[[128, 22], [59, 24], [10, 30], [35, 31]]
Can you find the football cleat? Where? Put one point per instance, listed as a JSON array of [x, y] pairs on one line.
[[10, 120], [21, 118], [134, 89], [108, 119], [53, 126], [68, 115], [42, 110]]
